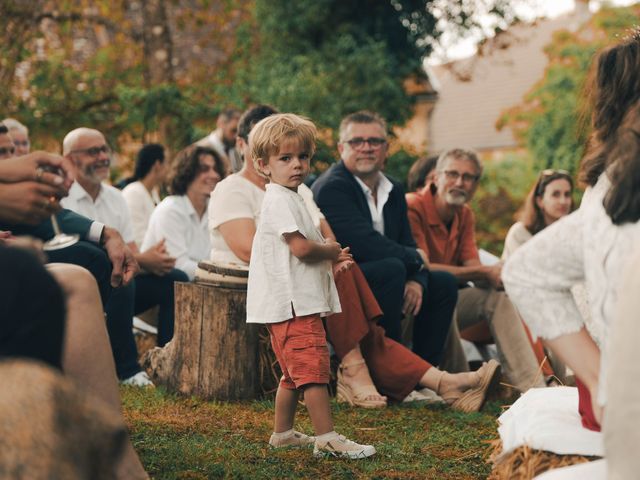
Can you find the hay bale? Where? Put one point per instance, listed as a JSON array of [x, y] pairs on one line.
[[525, 463]]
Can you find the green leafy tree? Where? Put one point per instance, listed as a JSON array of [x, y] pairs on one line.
[[553, 120], [328, 58], [134, 70], [162, 69]]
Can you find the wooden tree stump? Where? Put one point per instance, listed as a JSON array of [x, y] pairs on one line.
[[214, 352]]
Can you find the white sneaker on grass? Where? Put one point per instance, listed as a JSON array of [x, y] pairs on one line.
[[140, 379], [296, 439], [430, 396], [340, 446], [414, 396]]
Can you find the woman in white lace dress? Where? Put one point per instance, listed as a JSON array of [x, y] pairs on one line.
[[593, 244]]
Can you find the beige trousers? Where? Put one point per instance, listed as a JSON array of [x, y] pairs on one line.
[[518, 361], [621, 426]]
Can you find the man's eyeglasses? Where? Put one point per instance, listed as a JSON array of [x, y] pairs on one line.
[[454, 175], [7, 151], [374, 142], [94, 151]]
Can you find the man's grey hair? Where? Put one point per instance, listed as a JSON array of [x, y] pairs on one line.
[[459, 154], [363, 116], [14, 125], [72, 138]]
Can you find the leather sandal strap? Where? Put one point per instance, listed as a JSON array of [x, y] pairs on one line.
[[364, 391], [439, 381]]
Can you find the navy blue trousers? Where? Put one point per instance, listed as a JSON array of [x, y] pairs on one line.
[[387, 278]]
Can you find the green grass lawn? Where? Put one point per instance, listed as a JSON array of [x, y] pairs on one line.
[[188, 438]]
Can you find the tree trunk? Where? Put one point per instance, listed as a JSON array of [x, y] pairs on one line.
[[214, 352]]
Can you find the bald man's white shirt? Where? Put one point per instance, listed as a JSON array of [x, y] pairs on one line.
[[109, 208]]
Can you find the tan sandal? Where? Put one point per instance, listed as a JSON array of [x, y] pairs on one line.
[[358, 396], [472, 399]]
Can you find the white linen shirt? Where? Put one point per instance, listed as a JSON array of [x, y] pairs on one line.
[[278, 280], [141, 203], [376, 208], [186, 235], [584, 246], [109, 208]]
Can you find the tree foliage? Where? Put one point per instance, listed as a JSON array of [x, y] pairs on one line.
[[327, 58], [134, 70], [162, 69], [553, 120]]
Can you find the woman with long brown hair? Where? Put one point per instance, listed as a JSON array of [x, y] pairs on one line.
[[549, 200], [593, 244]]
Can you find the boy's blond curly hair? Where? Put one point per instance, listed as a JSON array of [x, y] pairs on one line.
[[269, 134]]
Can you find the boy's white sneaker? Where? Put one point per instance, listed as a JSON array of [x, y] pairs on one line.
[[340, 446], [296, 439]]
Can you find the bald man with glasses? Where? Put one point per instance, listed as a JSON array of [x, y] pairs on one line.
[[88, 151]]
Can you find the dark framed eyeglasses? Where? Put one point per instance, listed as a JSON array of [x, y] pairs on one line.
[[454, 175], [7, 151], [21, 143], [374, 142], [94, 151]]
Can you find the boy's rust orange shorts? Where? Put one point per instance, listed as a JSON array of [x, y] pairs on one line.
[[300, 345]]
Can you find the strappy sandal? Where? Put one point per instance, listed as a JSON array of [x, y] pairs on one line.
[[357, 396], [472, 399]]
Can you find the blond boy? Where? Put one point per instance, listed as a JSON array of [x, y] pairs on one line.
[[291, 285]]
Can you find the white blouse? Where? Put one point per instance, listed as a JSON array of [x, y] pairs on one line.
[[186, 235], [141, 203], [278, 280], [584, 246], [517, 236]]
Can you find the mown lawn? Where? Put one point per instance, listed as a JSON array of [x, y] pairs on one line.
[[188, 438]]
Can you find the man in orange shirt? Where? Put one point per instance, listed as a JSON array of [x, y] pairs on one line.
[[443, 226]]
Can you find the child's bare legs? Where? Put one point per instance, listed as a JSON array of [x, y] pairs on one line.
[[286, 403], [316, 397]]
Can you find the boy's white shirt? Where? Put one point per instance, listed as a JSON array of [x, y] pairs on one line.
[[277, 279]]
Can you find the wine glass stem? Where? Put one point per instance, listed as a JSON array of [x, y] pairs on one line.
[[56, 227]]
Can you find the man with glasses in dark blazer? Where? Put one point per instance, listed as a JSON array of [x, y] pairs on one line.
[[368, 213]]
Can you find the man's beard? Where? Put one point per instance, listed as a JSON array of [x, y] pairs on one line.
[[90, 171], [456, 199]]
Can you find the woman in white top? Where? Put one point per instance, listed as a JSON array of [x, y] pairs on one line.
[[593, 244], [181, 218], [549, 200], [141, 192]]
